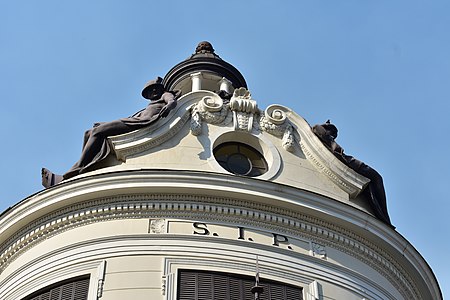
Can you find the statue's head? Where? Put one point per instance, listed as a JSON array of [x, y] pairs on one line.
[[331, 129], [153, 89]]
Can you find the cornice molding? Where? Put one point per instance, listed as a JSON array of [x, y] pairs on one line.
[[133, 181], [212, 209], [345, 178]]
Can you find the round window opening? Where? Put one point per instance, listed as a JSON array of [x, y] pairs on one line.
[[240, 159]]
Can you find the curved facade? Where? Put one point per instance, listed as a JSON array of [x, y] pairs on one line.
[[193, 206]]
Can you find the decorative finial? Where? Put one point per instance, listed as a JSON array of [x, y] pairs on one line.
[[204, 47]]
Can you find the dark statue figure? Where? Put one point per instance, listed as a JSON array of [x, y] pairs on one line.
[[96, 146], [327, 133]]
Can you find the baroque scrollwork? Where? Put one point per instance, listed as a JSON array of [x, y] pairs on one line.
[[246, 116], [210, 109], [274, 121]]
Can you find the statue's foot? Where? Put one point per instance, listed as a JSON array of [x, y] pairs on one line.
[[50, 179]]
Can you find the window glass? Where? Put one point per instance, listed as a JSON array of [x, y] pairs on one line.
[[240, 159]]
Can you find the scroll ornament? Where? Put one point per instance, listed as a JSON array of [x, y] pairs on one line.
[[210, 109], [274, 121]]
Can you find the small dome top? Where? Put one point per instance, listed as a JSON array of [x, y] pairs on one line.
[[204, 60], [204, 47]]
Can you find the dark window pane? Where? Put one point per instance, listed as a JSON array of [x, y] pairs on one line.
[[240, 159]]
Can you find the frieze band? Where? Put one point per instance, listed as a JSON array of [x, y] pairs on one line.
[[210, 209]]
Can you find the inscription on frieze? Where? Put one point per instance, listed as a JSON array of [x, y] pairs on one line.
[[238, 233]]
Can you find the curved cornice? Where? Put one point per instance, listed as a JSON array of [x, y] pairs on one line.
[[343, 176], [204, 64], [243, 200], [148, 137], [204, 183]]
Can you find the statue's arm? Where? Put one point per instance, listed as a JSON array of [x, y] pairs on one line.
[[171, 102]]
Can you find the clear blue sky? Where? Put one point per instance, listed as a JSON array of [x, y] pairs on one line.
[[380, 70]]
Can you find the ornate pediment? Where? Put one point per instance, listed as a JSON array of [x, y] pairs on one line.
[[241, 114]]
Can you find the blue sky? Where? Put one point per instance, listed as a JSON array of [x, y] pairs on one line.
[[380, 70]]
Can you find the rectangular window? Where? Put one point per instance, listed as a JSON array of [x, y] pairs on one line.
[[204, 285]]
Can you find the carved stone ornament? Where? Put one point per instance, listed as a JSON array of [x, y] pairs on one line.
[[196, 123], [244, 108], [205, 106], [211, 109], [288, 139], [157, 226], [318, 250], [274, 121], [246, 116]]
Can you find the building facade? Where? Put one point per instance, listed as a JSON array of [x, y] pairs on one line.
[[195, 204]]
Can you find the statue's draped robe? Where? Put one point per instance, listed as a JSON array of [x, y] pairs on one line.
[[141, 119], [375, 189]]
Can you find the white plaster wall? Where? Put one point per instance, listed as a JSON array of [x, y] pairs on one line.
[[185, 151], [133, 277]]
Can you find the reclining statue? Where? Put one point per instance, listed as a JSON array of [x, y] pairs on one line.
[[374, 191], [96, 146]]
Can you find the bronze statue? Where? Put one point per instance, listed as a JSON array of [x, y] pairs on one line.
[[327, 133], [96, 147]]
